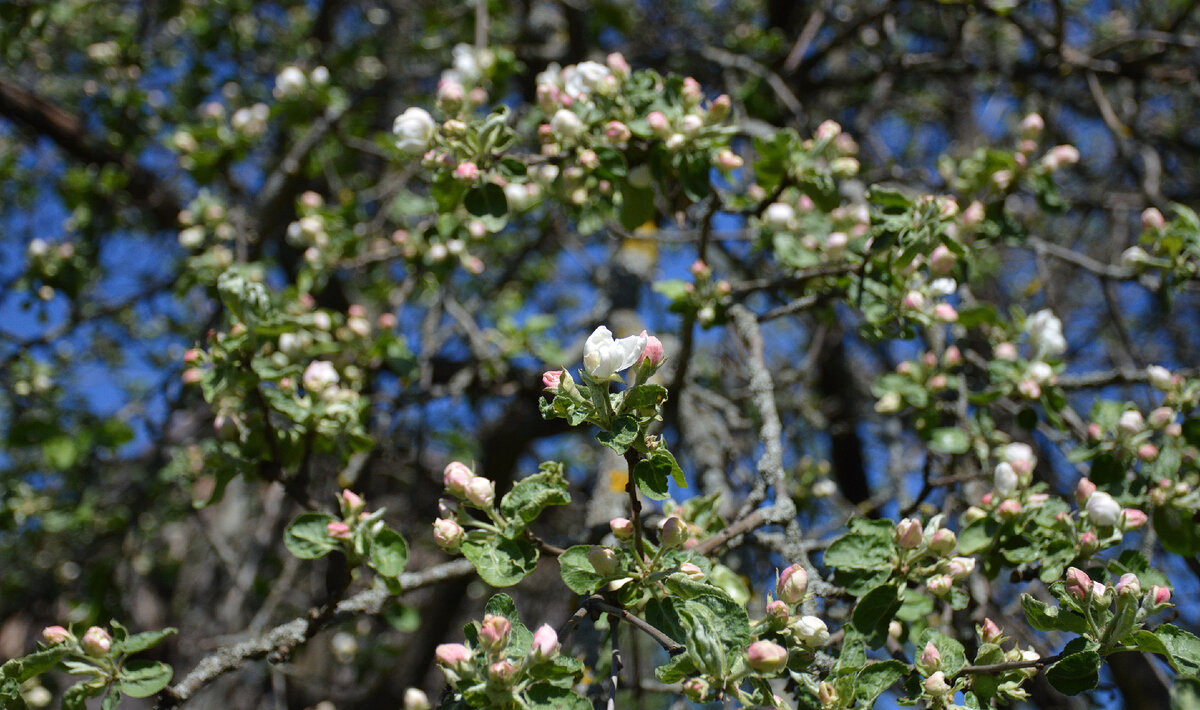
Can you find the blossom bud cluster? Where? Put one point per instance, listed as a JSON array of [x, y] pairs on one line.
[[292, 82], [491, 660]]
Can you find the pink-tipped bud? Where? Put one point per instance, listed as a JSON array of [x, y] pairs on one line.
[[943, 541], [726, 159], [719, 108], [96, 642], [352, 503], [674, 533], [653, 352], [1088, 543], [617, 64], [1009, 508], [338, 530], [1132, 519], [1147, 452], [952, 357], [551, 379], [1129, 585], [913, 300], [1084, 490], [545, 644], [931, 658], [191, 356], [696, 689], [56, 635], [658, 123], [493, 632], [692, 570], [827, 695], [940, 585], [1152, 219], [766, 657], [1030, 389], [1131, 422], [1160, 596], [452, 655], [617, 132], [1103, 509], [936, 685], [466, 170], [1032, 125], [945, 313], [941, 260], [778, 613], [622, 528], [604, 560], [1079, 584], [792, 585], [481, 491], [448, 534], [455, 477], [908, 533], [989, 632], [1161, 417], [1006, 351], [961, 567], [1173, 430], [938, 382]]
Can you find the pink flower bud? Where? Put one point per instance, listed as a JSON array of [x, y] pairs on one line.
[[1147, 452], [938, 382], [1084, 490], [942, 541], [936, 685], [604, 561], [416, 699], [1132, 519], [674, 533], [502, 672], [493, 632], [696, 689], [940, 585], [1006, 351], [1160, 596], [827, 695], [96, 642], [450, 96], [466, 170], [778, 612], [1009, 508], [726, 159], [719, 108], [455, 477], [766, 657], [692, 570], [653, 352], [1079, 584], [617, 64], [1129, 585], [452, 655], [191, 376], [930, 659], [1088, 543], [622, 528], [828, 130], [448, 534], [617, 132], [908, 533], [1152, 219], [545, 644], [1029, 389], [987, 498], [945, 313], [1161, 416], [913, 300], [551, 379], [1174, 430], [989, 632], [941, 260], [1032, 125], [56, 635], [191, 356], [658, 123], [952, 357], [338, 530], [792, 585], [352, 502], [481, 491], [691, 91], [961, 567]]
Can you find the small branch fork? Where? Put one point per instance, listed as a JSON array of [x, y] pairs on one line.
[[596, 605]]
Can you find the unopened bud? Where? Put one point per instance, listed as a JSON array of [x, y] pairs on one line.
[[493, 632], [448, 534], [766, 657], [936, 685], [674, 533], [481, 491], [56, 634], [96, 642], [604, 561], [792, 585], [908, 533]]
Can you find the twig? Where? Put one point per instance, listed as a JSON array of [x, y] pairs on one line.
[[1008, 666], [596, 605], [635, 506], [370, 602]]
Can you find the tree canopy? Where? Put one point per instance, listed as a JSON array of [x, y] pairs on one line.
[[556, 354]]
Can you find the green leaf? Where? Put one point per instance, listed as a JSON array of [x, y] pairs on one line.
[[141, 679], [949, 440], [501, 562], [1183, 647], [622, 435], [873, 680], [653, 472], [25, 667], [520, 639], [306, 537], [140, 642], [863, 557], [76, 696], [486, 200], [532, 494], [874, 612], [637, 206], [1044, 617], [389, 553], [111, 701], [543, 696], [1178, 530], [10, 695], [644, 397], [577, 573], [977, 536], [1075, 673], [612, 163]]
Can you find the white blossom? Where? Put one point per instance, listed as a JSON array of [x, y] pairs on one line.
[[1103, 509], [943, 286], [1005, 479], [290, 82], [604, 357], [780, 215], [319, 376], [1045, 334], [585, 78], [811, 631], [414, 130], [566, 124]]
